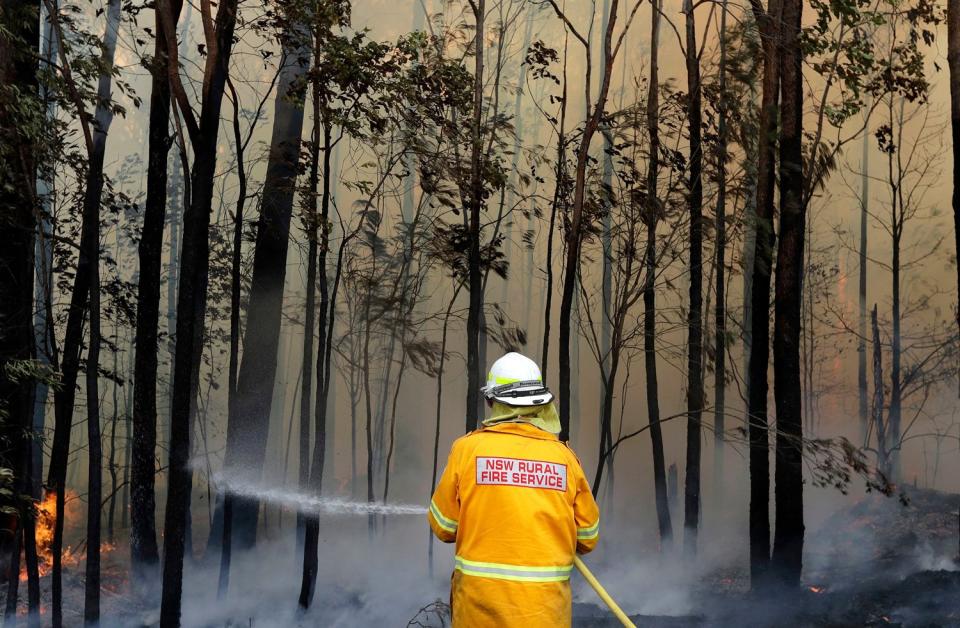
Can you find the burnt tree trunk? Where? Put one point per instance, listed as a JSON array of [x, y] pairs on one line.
[[691, 494], [144, 554], [191, 302], [788, 540], [19, 34], [953, 57], [768, 23], [474, 279], [327, 318], [247, 431], [649, 287], [883, 460], [720, 321], [574, 235], [862, 292]]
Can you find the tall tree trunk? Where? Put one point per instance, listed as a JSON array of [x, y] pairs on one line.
[[768, 23], [474, 279], [19, 36], [953, 58], [45, 343], [327, 319], [574, 235], [862, 292], [95, 135], [788, 540], [247, 431], [144, 554], [649, 287], [191, 302], [896, 177], [720, 321], [691, 518], [103, 116], [883, 461], [236, 257], [306, 386]]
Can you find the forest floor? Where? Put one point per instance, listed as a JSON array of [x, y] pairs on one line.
[[880, 562]]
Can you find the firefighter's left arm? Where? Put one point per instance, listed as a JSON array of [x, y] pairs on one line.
[[444, 512], [585, 512]]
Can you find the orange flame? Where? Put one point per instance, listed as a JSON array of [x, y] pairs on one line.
[[816, 589], [45, 522]]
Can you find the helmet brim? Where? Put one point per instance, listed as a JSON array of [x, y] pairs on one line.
[[526, 400]]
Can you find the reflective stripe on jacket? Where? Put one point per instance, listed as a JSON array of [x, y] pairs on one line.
[[516, 502]]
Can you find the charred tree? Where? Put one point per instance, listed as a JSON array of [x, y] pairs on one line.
[[862, 293], [248, 427], [474, 277], [144, 554], [649, 290], [768, 23], [95, 129], [787, 554], [720, 321], [574, 232], [192, 288], [691, 494], [19, 34], [103, 116], [953, 58]]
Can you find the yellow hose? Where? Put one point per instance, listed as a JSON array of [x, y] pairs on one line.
[[603, 593]]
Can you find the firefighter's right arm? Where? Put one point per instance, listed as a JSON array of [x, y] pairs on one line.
[[444, 513], [585, 513]]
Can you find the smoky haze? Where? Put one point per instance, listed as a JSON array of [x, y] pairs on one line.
[[374, 568]]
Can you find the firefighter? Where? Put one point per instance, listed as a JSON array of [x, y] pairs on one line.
[[516, 502]]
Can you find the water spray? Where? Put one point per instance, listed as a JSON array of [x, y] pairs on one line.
[[311, 504]]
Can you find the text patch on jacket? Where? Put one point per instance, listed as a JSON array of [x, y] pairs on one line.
[[520, 472]]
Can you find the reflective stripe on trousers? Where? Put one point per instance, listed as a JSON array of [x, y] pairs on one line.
[[519, 573]]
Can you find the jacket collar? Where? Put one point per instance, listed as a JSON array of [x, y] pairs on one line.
[[520, 429]]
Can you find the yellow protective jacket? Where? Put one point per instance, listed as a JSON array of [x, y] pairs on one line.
[[516, 502]]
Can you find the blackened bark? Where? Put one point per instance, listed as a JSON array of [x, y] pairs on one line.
[[306, 386], [474, 279], [691, 519], [191, 305], [248, 430], [19, 34], [862, 292], [226, 524], [953, 58], [720, 321], [574, 234], [788, 540], [649, 288], [883, 465], [768, 23], [144, 554], [327, 319]]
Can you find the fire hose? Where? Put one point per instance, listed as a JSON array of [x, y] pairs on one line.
[[614, 607]]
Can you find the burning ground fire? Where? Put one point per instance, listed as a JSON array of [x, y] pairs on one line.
[[46, 520]]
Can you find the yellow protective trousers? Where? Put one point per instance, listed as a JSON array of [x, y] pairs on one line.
[[517, 503]]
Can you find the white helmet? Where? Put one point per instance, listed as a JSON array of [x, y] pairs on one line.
[[515, 380]]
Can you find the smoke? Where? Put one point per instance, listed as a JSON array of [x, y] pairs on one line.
[[365, 579]]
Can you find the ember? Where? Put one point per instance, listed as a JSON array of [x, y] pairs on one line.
[[816, 589]]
